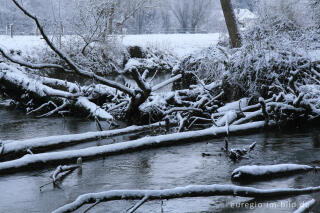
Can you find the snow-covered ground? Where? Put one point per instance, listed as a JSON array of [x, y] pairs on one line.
[[24, 43], [179, 44]]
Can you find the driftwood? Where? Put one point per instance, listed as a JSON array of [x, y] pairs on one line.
[[237, 154], [247, 173], [61, 172], [183, 192]]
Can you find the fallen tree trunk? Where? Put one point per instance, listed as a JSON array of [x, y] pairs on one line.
[[247, 173], [184, 192], [19, 147], [33, 92], [124, 147], [19, 81]]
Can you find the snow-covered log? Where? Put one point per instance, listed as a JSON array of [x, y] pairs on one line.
[[249, 116], [306, 207], [165, 83], [124, 147], [45, 143], [19, 83], [64, 85], [184, 192], [15, 78], [228, 118], [255, 172], [93, 109]]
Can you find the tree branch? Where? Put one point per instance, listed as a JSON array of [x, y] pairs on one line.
[[30, 65], [69, 61], [184, 192]]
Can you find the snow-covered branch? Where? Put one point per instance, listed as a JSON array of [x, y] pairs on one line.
[[184, 192], [165, 83], [306, 207], [45, 143], [17, 78], [27, 64], [93, 109], [255, 172], [69, 61]]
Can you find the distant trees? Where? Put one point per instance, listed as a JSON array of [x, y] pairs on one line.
[[301, 13], [117, 16], [315, 4], [46, 9], [190, 13]]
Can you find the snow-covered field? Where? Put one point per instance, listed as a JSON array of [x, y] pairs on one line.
[[23, 43], [178, 44]]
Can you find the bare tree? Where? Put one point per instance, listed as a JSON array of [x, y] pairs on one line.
[[231, 22], [198, 12], [190, 14], [181, 11], [135, 97]]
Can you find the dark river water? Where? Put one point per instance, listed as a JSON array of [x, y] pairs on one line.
[[160, 168]]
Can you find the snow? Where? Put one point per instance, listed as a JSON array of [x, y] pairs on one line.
[[94, 109], [24, 43], [314, 55], [180, 192], [167, 82], [18, 77], [131, 64], [249, 116], [306, 206], [244, 15], [179, 44], [234, 105], [255, 171], [16, 146], [228, 118], [6, 102]]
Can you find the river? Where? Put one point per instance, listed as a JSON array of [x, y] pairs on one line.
[[160, 168]]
